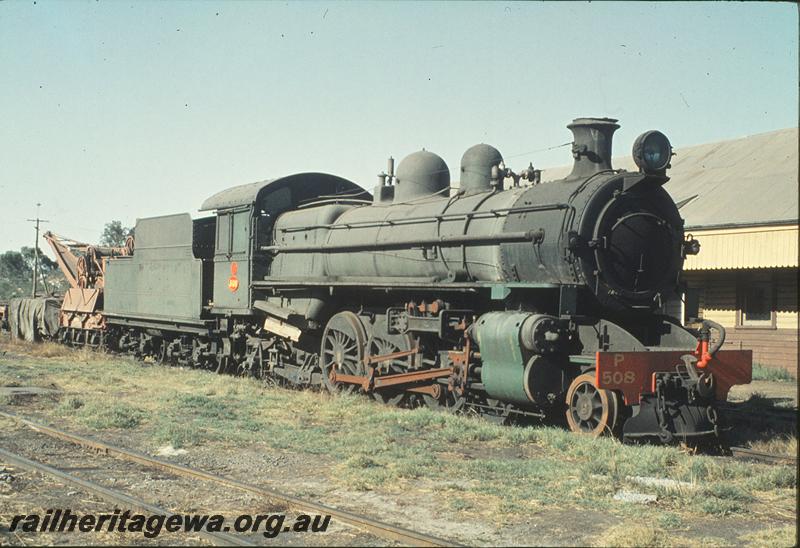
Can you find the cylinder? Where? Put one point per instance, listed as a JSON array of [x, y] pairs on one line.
[[510, 372], [503, 372]]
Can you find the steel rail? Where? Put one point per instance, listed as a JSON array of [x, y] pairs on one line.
[[781, 413], [380, 529], [744, 453], [115, 497]]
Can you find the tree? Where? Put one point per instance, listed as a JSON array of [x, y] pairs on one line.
[[46, 264], [16, 273], [15, 276], [114, 234], [13, 265]]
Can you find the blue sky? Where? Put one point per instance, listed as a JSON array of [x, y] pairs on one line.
[[119, 110]]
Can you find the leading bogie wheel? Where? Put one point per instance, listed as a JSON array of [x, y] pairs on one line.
[[342, 350], [446, 401], [591, 410]]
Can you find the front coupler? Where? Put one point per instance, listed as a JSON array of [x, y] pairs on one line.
[[682, 407]]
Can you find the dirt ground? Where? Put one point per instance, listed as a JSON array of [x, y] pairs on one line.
[[449, 509], [26, 493]]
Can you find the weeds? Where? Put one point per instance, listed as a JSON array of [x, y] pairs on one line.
[[669, 520], [101, 416], [70, 404], [777, 374], [178, 435]]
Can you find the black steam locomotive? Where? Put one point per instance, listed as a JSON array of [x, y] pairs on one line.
[[506, 295]]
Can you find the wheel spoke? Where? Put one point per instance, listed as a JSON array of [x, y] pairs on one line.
[[340, 337], [348, 350]]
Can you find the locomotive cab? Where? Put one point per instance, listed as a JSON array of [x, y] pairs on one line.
[[246, 218]]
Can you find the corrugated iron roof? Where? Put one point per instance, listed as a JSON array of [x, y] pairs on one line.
[[741, 182]]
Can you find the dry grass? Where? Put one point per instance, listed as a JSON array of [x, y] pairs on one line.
[[779, 445], [775, 537], [49, 350], [634, 535], [513, 473], [701, 542], [643, 535]]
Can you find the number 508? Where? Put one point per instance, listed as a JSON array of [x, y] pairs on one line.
[[618, 377]]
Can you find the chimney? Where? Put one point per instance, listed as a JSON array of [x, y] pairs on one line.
[[591, 145]]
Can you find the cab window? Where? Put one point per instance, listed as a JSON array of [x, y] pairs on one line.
[[241, 232], [223, 233]]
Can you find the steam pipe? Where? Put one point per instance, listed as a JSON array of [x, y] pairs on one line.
[[533, 236]]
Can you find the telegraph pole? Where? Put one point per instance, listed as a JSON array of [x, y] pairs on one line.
[[37, 220]]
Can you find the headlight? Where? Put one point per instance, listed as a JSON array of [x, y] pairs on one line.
[[652, 151]]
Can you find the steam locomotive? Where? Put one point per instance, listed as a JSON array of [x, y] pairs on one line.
[[507, 295]]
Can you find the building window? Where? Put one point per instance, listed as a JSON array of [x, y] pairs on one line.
[[757, 305]]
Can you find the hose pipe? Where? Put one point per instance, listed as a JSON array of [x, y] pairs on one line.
[[707, 352], [720, 340]]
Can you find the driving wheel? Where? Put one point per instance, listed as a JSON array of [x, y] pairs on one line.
[[342, 350], [382, 343]]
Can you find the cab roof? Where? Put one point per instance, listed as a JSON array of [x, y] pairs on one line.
[[305, 185]]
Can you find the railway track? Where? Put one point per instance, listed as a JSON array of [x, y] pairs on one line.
[[743, 453], [781, 417], [380, 529], [113, 496]]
